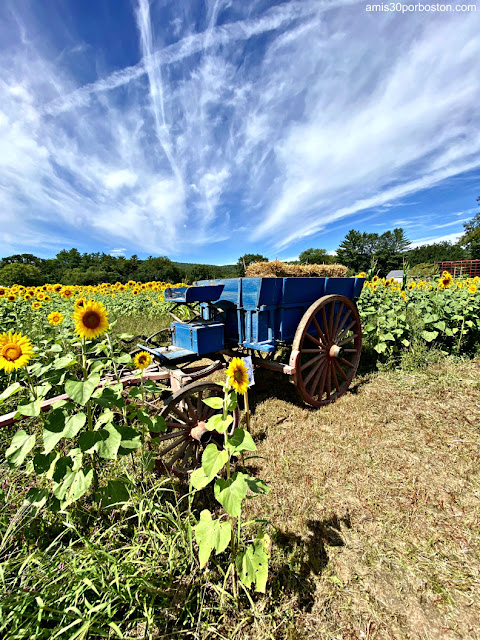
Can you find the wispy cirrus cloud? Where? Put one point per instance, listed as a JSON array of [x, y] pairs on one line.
[[279, 121]]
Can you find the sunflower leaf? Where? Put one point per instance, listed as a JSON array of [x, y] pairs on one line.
[[214, 403], [81, 391], [20, 447]]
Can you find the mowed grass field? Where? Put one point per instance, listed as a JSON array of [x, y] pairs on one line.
[[375, 507]]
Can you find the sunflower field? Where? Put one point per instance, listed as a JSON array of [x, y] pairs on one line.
[[401, 318]]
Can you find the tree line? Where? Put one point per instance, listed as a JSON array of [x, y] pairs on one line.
[[359, 251]]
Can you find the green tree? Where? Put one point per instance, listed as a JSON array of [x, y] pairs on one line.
[[161, 268], [19, 273], [316, 256], [437, 252], [471, 238], [247, 259]]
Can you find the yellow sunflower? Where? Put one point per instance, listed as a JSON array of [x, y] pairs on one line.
[[142, 360], [55, 318], [237, 375], [57, 288], [67, 292], [411, 285], [404, 296], [91, 320], [15, 351], [3, 292], [36, 305], [361, 275], [80, 304], [47, 298], [472, 289], [446, 280], [12, 297]]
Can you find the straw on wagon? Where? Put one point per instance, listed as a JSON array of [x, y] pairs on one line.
[[275, 268]]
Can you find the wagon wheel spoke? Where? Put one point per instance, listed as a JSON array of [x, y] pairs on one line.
[[315, 369], [342, 323], [314, 340], [325, 324], [335, 379], [178, 454], [319, 331], [338, 317], [319, 372], [183, 416], [169, 436], [340, 370], [174, 444], [313, 360], [191, 410], [347, 340], [345, 331]]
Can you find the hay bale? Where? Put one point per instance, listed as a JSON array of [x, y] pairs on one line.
[[277, 269]]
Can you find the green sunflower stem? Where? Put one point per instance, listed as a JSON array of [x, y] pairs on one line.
[[85, 378]]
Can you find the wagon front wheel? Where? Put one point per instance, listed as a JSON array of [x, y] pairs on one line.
[[179, 449], [326, 350]]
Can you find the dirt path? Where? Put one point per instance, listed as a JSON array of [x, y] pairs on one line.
[[376, 502]]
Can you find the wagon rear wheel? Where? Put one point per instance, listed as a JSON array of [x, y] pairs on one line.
[[326, 350], [179, 449]]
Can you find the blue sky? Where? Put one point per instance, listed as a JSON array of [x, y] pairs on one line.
[[205, 130]]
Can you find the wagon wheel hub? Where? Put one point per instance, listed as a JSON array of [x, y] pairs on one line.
[[335, 351]]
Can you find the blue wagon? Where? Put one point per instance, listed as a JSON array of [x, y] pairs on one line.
[[313, 323]]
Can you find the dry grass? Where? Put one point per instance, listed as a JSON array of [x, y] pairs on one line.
[[375, 502], [283, 270]]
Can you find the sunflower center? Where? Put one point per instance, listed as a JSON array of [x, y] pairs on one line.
[[238, 375], [142, 359], [91, 319], [11, 352]]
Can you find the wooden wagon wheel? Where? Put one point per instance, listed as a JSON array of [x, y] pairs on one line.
[[180, 448], [326, 349]]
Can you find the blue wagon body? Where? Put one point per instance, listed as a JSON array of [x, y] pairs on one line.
[[257, 313], [315, 321]]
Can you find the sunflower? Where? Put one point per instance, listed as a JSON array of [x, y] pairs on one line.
[[40, 295], [459, 285], [67, 292], [142, 360], [55, 318], [91, 320], [27, 297], [36, 305], [411, 285], [47, 298], [404, 296], [237, 375], [472, 289], [15, 351], [446, 280], [361, 275], [3, 292], [80, 304], [57, 288], [12, 297], [375, 279]]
